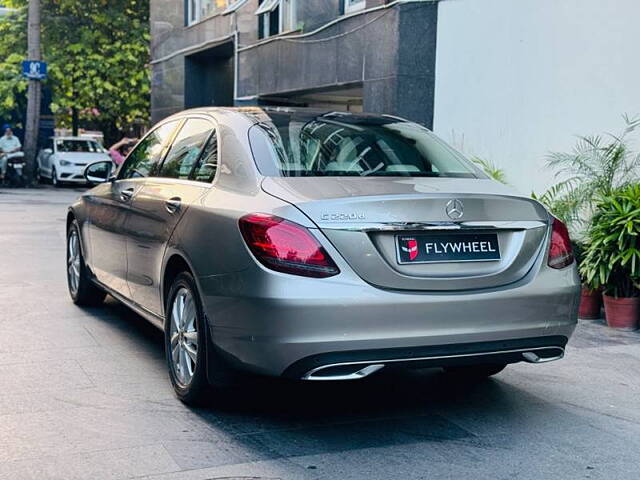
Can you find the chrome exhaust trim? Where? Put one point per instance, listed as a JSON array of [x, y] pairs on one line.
[[533, 357], [368, 367], [357, 375]]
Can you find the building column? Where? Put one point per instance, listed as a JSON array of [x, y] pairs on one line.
[[409, 91]]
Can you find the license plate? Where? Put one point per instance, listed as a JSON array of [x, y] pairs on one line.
[[447, 247]]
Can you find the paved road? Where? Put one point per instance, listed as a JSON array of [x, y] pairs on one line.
[[84, 394]]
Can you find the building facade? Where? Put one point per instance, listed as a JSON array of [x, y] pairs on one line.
[[348, 55], [505, 80]]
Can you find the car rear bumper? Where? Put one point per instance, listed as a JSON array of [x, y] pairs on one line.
[[351, 365], [290, 325]]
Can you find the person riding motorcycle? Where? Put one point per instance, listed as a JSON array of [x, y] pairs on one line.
[[10, 147]]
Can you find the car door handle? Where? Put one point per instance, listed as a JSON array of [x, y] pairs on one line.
[[173, 204], [127, 194]]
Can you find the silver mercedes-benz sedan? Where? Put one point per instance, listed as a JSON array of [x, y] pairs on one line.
[[320, 246]]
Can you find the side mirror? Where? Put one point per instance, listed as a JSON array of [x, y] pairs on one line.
[[98, 172]]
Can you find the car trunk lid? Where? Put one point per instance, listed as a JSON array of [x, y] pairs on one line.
[[372, 220]]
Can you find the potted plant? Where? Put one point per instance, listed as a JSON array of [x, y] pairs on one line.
[[564, 207], [595, 167], [591, 296], [612, 255], [590, 303]]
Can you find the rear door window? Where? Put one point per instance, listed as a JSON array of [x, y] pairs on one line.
[[145, 158], [186, 149]]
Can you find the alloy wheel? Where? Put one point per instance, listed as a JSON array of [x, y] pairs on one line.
[[183, 335], [73, 262]]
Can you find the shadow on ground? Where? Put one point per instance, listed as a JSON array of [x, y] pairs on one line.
[[276, 418], [418, 418]]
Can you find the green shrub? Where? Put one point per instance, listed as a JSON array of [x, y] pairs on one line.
[[595, 168], [491, 169], [612, 257], [561, 205]]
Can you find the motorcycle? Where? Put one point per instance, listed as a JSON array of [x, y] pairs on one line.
[[14, 176]]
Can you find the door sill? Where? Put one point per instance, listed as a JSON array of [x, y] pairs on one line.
[[156, 320]]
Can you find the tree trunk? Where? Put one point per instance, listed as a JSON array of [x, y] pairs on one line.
[[34, 93]]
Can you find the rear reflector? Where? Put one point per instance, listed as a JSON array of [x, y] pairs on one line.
[[285, 246], [560, 250]]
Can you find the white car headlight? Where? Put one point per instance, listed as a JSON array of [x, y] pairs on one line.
[[65, 163]]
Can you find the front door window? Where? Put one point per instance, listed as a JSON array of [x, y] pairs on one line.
[[146, 157]]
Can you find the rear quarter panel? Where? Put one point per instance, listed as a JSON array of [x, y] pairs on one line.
[[209, 235]]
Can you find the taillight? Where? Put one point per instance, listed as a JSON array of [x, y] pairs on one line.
[[285, 246], [560, 250]]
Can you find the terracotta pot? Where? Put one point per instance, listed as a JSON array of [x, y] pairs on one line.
[[622, 313], [590, 304]]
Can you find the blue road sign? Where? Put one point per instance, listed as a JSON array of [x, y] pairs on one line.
[[34, 70]]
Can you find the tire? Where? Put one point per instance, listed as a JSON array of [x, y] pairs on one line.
[[476, 372], [82, 290], [187, 365]]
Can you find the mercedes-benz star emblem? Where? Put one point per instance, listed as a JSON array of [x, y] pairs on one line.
[[455, 209]]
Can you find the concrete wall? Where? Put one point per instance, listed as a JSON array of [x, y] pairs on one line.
[[389, 53], [516, 79], [329, 58], [315, 14]]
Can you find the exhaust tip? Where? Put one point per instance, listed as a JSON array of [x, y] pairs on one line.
[[543, 356], [342, 372]]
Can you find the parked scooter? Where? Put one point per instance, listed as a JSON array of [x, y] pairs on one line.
[[14, 176]]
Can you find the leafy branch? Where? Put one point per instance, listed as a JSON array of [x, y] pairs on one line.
[[98, 55], [612, 254], [595, 167], [491, 169]]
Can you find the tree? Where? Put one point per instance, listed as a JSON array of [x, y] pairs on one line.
[[98, 54], [13, 48]]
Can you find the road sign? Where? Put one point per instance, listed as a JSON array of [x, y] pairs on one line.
[[34, 70]]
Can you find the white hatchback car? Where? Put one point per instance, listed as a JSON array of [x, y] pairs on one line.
[[64, 159]]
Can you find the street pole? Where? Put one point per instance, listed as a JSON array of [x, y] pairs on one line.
[[34, 92]]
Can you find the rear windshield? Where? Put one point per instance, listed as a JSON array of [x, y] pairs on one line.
[[84, 146], [293, 144]]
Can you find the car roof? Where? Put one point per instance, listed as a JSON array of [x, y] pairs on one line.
[[260, 114]]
